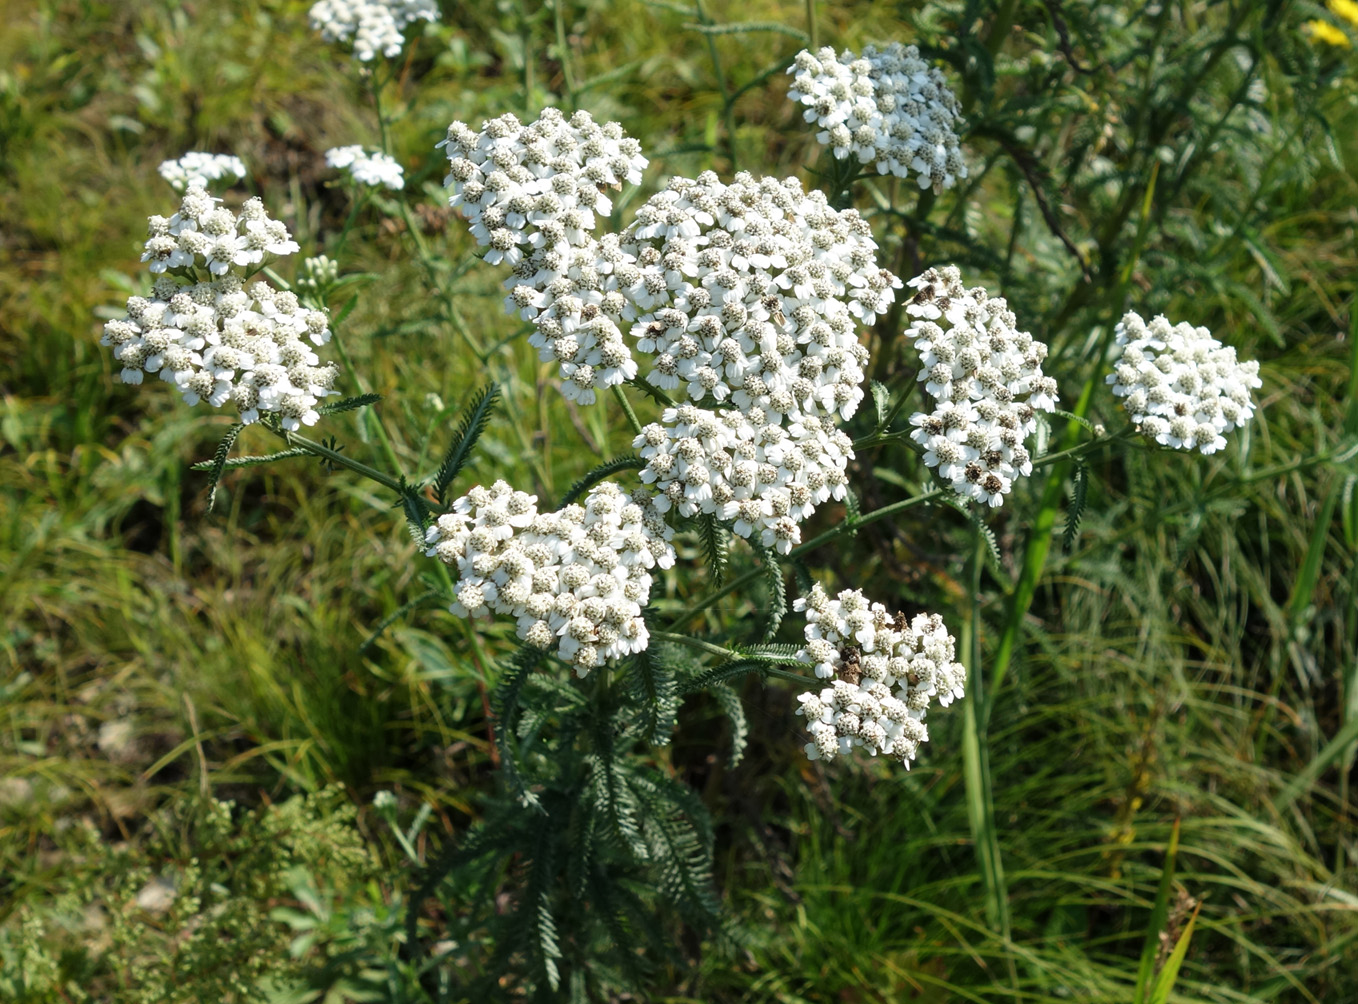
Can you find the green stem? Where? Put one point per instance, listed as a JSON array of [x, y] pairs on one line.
[[813, 36], [627, 408], [727, 103], [976, 758], [563, 53], [731, 655], [336, 458]]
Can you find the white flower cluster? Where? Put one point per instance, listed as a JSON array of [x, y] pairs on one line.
[[222, 343], [576, 579], [1181, 386], [204, 234], [749, 295], [217, 340], [986, 379], [742, 466], [375, 169], [885, 672], [532, 194], [196, 168], [374, 26], [887, 107]]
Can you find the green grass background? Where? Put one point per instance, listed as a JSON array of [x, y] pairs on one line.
[[1193, 656]]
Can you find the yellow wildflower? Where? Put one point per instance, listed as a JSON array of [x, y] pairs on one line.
[[1323, 31], [1346, 9]]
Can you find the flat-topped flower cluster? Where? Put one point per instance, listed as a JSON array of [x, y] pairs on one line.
[[1181, 386], [886, 670], [217, 337], [372, 26], [198, 168], [986, 379], [367, 167], [887, 108], [576, 579], [533, 194]]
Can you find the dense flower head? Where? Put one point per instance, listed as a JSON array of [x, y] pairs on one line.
[[373, 26], [203, 234], [751, 293], [533, 195], [741, 466], [537, 186], [884, 672], [887, 108], [746, 299], [372, 168], [985, 377], [218, 337], [227, 343], [1181, 386], [197, 168], [576, 580]]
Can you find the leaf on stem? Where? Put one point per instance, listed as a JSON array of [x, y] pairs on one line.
[[218, 462], [475, 417], [1079, 496], [604, 470], [712, 536], [349, 404]]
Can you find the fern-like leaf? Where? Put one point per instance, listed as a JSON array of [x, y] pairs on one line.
[[717, 677], [473, 421], [604, 470], [232, 463], [652, 685], [426, 597], [1079, 497], [773, 575], [537, 907], [416, 511], [504, 704], [218, 462], [712, 537], [730, 704], [349, 404]]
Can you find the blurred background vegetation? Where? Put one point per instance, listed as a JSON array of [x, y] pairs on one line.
[[191, 739]]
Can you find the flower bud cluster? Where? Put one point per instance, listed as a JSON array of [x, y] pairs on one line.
[[532, 194], [204, 234], [887, 108], [223, 343], [1181, 386], [196, 168], [374, 26], [316, 277], [884, 670], [576, 580], [986, 379], [374, 169], [741, 466]]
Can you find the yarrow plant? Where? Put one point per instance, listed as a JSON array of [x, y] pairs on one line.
[[1181, 386], [733, 322], [372, 168], [209, 330], [372, 27], [986, 379], [886, 671], [887, 108], [576, 579], [197, 168]]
